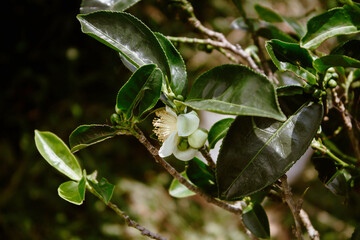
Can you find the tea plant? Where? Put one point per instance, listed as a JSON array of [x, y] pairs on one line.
[[279, 104]]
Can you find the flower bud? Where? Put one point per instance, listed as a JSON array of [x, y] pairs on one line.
[[198, 138]]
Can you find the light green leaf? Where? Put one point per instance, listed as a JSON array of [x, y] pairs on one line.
[[235, 90], [218, 131], [178, 73], [178, 190], [267, 14], [126, 34], [103, 188], [291, 57], [323, 63], [337, 21], [265, 149], [88, 6], [73, 192], [86, 135], [57, 154], [140, 93], [256, 220]]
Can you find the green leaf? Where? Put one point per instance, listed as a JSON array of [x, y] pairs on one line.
[[267, 14], [337, 21], [323, 63], [57, 154], [239, 23], [350, 48], [202, 176], [218, 131], [272, 32], [88, 6], [103, 188], [235, 90], [73, 192], [291, 57], [140, 93], [86, 135], [178, 73], [256, 220], [337, 184], [290, 90], [258, 151], [126, 34], [178, 190]]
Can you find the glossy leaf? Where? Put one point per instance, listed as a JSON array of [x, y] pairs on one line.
[[202, 176], [256, 220], [291, 57], [338, 184], [258, 151], [57, 154], [272, 32], [178, 73], [267, 14], [235, 90], [86, 135], [337, 21], [126, 34], [73, 192], [103, 188], [88, 6], [178, 190], [290, 90], [323, 63], [218, 131], [140, 93]]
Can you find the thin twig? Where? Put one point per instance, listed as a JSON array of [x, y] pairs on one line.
[[207, 157], [220, 46], [287, 196], [313, 233], [348, 125], [188, 8]]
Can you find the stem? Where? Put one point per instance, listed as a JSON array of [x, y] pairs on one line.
[[207, 157], [220, 46], [313, 233], [288, 197], [128, 220], [188, 8], [348, 125], [322, 148]]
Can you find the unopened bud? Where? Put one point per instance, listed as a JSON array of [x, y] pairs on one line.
[[198, 138]]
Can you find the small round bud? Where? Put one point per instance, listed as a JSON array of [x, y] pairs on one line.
[[335, 75], [317, 93], [115, 119], [198, 138], [331, 83]]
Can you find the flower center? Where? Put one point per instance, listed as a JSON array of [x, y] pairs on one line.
[[165, 123]]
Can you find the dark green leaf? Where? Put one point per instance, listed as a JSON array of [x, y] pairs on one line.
[[202, 176], [236, 90], [73, 192], [267, 14], [338, 184], [126, 34], [290, 90], [291, 57], [178, 190], [57, 154], [323, 63], [218, 131], [88, 6], [256, 220], [325, 168], [337, 21], [140, 93], [272, 32], [350, 48], [258, 151], [178, 82], [86, 135], [103, 188]]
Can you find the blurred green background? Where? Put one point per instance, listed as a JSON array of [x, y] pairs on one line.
[[57, 78]]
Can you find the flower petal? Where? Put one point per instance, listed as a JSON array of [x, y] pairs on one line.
[[169, 145], [169, 110], [185, 155], [187, 123]]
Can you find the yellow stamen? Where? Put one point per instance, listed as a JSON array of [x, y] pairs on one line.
[[165, 124]]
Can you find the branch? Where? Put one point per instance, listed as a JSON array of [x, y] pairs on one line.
[[188, 8], [207, 157], [348, 125], [287, 196], [313, 233]]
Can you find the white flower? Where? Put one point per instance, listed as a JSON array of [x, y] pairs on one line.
[[173, 130]]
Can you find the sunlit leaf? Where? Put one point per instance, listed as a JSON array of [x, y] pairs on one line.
[[57, 154], [323, 63], [103, 188], [73, 192], [88, 6], [178, 190], [218, 131]]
